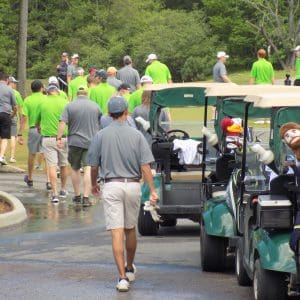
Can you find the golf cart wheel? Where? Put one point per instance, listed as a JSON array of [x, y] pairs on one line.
[[169, 222], [240, 271], [146, 225], [213, 251], [268, 284]]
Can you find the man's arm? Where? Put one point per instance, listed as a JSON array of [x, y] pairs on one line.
[[21, 130], [60, 132], [94, 176], [226, 78], [146, 170]]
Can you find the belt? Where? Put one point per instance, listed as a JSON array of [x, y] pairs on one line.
[[121, 179], [32, 127], [52, 136]]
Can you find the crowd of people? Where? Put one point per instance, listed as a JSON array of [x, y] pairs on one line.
[[96, 121]]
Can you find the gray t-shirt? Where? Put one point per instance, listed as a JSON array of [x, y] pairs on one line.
[[219, 70], [107, 120], [143, 111], [83, 118], [119, 150], [114, 82], [130, 76], [72, 70], [7, 98]]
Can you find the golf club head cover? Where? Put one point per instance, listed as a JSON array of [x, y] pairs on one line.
[[145, 124], [295, 236], [153, 211]]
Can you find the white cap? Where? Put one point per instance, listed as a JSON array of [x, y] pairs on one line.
[[75, 55], [146, 78], [297, 48], [222, 54], [151, 56], [53, 80]]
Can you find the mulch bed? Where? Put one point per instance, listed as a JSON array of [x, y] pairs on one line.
[[4, 207]]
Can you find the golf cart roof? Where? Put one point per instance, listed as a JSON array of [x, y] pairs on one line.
[[244, 90], [275, 99], [181, 94]]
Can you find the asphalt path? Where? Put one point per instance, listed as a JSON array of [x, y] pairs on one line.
[[64, 252]]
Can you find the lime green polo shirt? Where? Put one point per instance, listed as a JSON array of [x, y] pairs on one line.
[[18, 98], [297, 67], [74, 84], [63, 94], [101, 95], [49, 114], [31, 105], [135, 99], [159, 72], [262, 71]]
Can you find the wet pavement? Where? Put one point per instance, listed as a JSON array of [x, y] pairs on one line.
[[64, 252]]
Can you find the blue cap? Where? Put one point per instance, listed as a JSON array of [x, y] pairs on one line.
[[117, 104], [101, 73], [51, 87]]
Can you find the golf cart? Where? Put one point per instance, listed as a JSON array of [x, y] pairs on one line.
[[218, 229], [267, 207], [177, 181]]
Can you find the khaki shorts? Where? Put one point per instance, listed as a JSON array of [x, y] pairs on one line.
[[53, 155], [121, 204]]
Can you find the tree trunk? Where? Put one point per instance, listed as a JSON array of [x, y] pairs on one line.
[[22, 46]]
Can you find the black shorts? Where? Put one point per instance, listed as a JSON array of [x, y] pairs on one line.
[[297, 82], [77, 157], [5, 124]]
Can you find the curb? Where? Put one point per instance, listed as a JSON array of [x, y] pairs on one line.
[[10, 169], [14, 217]]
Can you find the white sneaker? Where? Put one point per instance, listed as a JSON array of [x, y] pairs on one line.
[[12, 160], [54, 199], [130, 273], [3, 161], [123, 285]]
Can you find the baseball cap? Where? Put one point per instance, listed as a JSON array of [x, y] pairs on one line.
[[64, 54], [101, 73], [151, 57], [127, 58], [75, 55], [51, 88], [80, 71], [12, 79], [92, 70], [82, 88], [146, 78], [222, 54], [111, 70], [52, 80], [297, 48], [124, 86], [117, 104]]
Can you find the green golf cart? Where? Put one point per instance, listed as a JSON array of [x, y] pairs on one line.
[[268, 202]]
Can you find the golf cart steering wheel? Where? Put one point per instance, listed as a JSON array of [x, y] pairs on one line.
[[173, 136]]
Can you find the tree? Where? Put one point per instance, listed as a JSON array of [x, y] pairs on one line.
[[22, 46]]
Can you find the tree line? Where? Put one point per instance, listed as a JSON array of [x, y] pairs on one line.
[[185, 34]]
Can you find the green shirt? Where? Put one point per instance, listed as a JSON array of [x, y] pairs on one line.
[[101, 95], [262, 71], [18, 98], [135, 99], [74, 84], [159, 72], [31, 105], [298, 68], [49, 114], [63, 94]]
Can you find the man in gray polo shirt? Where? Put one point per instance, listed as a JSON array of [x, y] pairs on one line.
[[8, 108], [83, 118], [123, 155], [219, 69]]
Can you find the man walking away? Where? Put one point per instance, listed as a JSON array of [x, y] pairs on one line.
[[219, 69], [129, 75], [262, 71], [8, 109], [48, 116], [111, 77], [158, 71], [83, 124], [123, 155]]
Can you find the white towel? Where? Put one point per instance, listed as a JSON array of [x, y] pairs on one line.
[[188, 153]]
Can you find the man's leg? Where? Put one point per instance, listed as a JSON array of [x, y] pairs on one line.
[[131, 243], [87, 181], [30, 164], [53, 179], [12, 147], [63, 177], [118, 250], [3, 147], [75, 176]]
